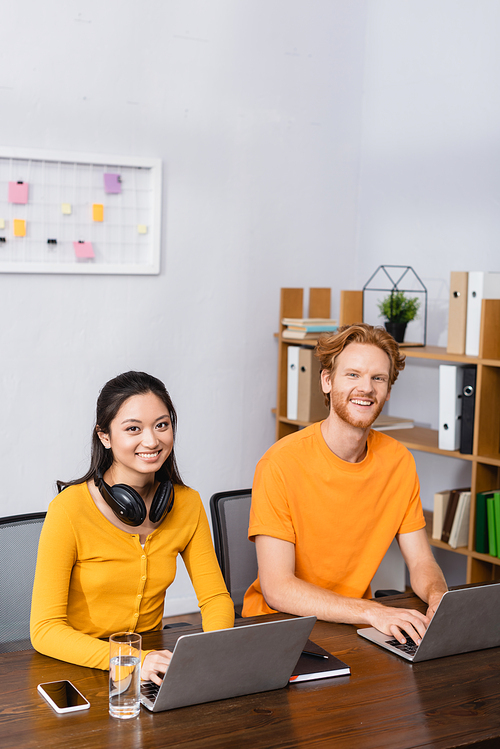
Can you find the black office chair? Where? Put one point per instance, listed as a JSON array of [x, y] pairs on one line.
[[19, 535], [391, 592], [236, 554]]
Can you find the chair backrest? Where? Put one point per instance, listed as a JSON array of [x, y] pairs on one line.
[[19, 536], [236, 554]]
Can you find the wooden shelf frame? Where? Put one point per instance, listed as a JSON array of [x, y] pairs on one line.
[[485, 459]]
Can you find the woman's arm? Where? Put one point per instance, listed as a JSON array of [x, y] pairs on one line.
[[217, 609]]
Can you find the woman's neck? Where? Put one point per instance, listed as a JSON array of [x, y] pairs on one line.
[[143, 484], [142, 530]]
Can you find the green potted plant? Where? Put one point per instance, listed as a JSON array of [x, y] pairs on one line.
[[398, 309]]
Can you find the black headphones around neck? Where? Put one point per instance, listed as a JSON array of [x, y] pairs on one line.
[[128, 505]]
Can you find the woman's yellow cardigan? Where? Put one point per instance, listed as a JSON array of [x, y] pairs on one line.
[[93, 579]]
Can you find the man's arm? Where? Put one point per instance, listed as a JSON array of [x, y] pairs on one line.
[[426, 578], [285, 592]]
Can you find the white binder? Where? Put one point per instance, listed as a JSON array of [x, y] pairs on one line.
[[450, 405], [481, 286], [459, 534], [292, 382]]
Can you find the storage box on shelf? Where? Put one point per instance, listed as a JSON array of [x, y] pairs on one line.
[[485, 459]]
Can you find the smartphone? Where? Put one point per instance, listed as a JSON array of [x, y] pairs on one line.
[[63, 696]]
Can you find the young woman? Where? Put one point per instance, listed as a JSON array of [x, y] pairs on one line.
[[108, 547]]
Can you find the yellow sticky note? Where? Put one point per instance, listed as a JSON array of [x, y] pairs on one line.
[[19, 227], [66, 209], [98, 212], [2, 223], [142, 229]]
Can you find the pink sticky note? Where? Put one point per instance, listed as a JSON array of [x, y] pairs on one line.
[[112, 183], [18, 192], [83, 249]]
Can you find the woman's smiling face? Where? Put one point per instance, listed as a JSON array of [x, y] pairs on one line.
[[140, 437]]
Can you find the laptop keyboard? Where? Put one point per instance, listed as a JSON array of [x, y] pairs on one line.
[[409, 646], [149, 689]]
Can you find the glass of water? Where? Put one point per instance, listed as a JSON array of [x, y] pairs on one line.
[[125, 675]]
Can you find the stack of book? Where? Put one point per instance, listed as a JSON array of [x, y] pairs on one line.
[[467, 290], [450, 522], [307, 327], [488, 522]]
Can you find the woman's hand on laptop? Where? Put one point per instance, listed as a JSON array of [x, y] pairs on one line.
[[155, 664]]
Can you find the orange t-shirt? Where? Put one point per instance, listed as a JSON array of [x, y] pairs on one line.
[[342, 517]]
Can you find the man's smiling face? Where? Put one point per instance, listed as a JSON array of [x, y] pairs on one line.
[[359, 386]]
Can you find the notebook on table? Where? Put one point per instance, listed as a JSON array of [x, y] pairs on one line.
[[208, 666], [317, 663], [466, 619]]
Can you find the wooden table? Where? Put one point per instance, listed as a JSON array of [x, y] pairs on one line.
[[385, 703]]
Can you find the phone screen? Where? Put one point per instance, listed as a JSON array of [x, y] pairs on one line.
[[64, 695]]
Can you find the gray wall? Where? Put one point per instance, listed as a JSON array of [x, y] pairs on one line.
[[255, 109], [429, 191], [304, 143]]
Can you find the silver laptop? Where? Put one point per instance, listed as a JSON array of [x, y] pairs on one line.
[[466, 619], [209, 666]]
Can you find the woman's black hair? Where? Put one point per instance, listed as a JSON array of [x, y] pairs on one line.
[[111, 398]]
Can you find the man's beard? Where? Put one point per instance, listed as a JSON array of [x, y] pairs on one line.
[[340, 407]]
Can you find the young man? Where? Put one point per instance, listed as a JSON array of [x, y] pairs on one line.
[[328, 500]]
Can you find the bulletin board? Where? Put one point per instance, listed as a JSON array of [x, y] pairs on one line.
[[79, 213]]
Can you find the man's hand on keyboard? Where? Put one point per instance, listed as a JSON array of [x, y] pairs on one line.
[[391, 621]]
